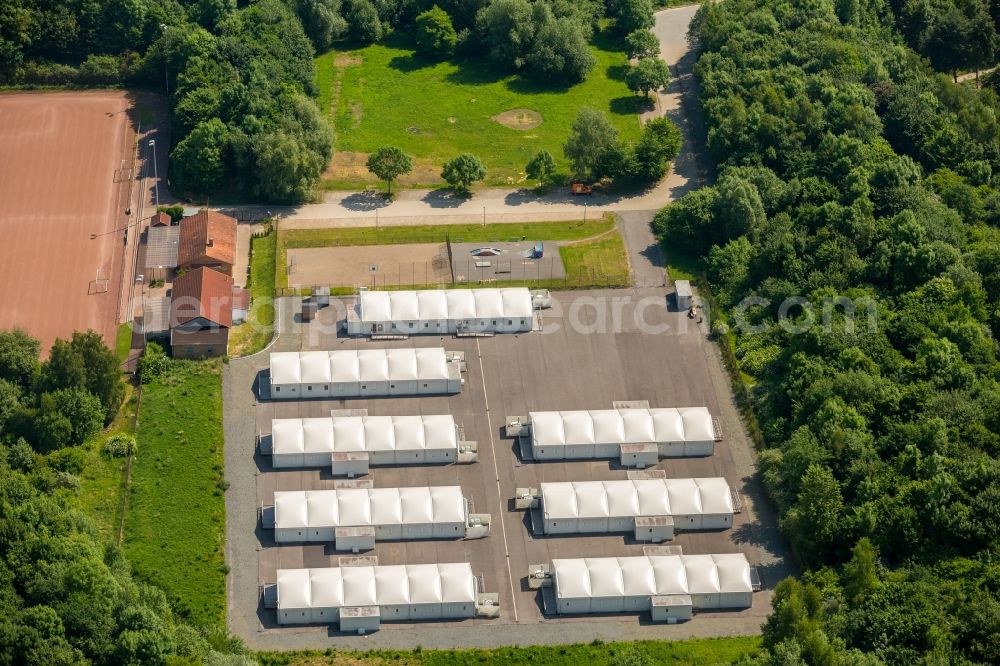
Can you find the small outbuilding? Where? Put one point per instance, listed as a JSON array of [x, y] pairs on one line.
[[350, 373], [507, 310], [162, 242], [682, 292], [384, 440]]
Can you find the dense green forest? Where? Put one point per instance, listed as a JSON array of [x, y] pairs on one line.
[[68, 597], [848, 169], [239, 75]]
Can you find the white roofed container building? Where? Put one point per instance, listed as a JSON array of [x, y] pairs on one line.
[[673, 432], [401, 592], [680, 583], [582, 507], [385, 440], [506, 310], [389, 514], [350, 373]]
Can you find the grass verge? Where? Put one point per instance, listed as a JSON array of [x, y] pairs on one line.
[[386, 94], [101, 479], [695, 652], [175, 524], [466, 233], [123, 341], [256, 332]]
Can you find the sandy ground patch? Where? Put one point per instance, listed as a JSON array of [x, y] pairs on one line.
[[421, 263], [347, 60], [519, 119], [352, 166]]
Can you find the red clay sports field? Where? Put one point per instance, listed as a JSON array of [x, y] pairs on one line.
[[65, 176]]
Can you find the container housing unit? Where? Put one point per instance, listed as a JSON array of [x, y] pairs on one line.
[[354, 373], [674, 431], [441, 311], [652, 583], [384, 440]]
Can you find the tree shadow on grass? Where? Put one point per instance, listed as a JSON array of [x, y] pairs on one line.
[[631, 105], [411, 62], [608, 40], [530, 85], [616, 72], [474, 73]]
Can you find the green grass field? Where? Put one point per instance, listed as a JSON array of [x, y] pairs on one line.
[[602, 262], [384, 94], [693, 652], [254, 335], [175, 522]]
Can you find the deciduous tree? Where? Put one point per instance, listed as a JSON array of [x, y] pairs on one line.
[[641, 44], [462, 171], [647, 75], [541, 167], [434, 34], [389, 163], [590, 136]]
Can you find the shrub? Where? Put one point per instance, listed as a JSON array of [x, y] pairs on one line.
[[153, 363], [120, 445]]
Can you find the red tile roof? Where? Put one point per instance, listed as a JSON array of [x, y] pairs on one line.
[[161, 220], [204, 293], [207, 235]]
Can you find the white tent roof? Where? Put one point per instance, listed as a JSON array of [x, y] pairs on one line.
[[651, 497], [350, 365], [622, 426], [344, 434], [376, 586], [357, 507], [651, 575], [445, 304]]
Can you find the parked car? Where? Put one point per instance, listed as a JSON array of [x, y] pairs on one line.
[[580, 188]]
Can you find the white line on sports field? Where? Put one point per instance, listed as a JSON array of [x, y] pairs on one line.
[[496, 470]]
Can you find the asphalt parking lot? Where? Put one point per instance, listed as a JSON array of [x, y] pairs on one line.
[[596, 347]]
